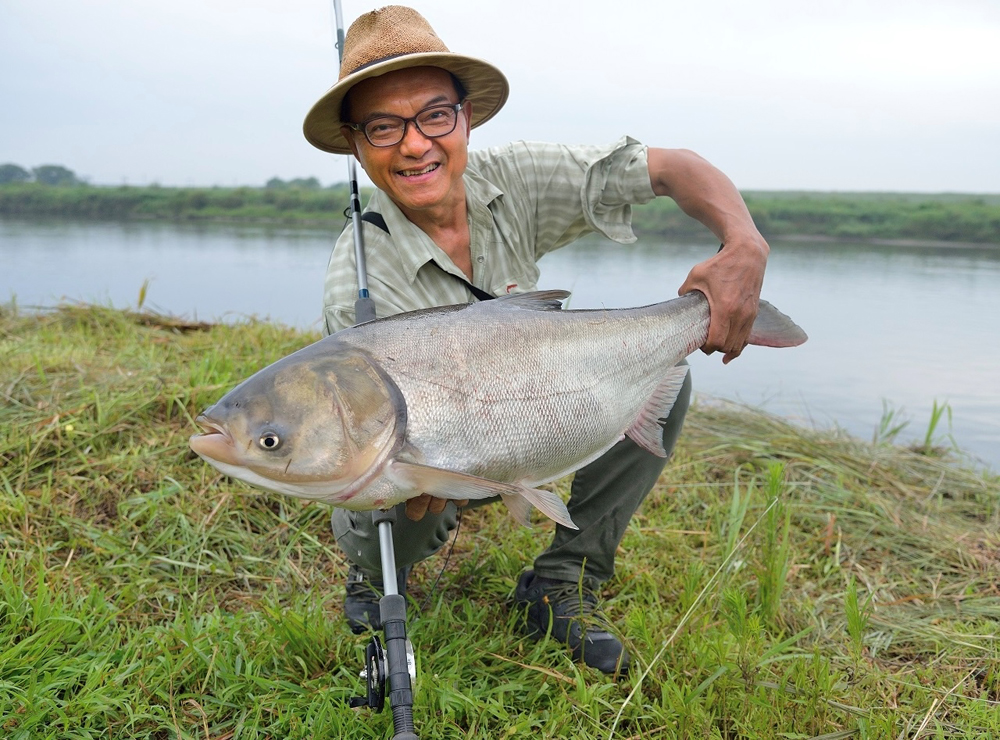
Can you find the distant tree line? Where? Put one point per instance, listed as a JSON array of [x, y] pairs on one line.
[[852, 216], [56, 174], [46, 174], [24, 194], [849, 216], [287, 204], [305, 183]]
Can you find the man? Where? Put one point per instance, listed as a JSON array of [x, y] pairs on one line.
[[446, 225]]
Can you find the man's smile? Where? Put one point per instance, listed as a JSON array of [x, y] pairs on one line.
[[422, 171]]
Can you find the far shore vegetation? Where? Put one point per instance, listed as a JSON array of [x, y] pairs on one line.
[[779, 581], [53, 191]]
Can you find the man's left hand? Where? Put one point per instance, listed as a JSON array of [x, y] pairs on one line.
[[731, 281], [418, 506]]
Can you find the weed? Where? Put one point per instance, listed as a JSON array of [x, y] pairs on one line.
[[937, 413], [857, 618], [889, 426], [775, 551]]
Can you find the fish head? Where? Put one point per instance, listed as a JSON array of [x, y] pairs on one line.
[[316, 424]]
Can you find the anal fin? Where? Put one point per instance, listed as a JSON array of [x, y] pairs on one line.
[[549, 504], [518, 507]]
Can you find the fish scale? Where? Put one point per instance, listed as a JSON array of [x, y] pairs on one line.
[[548, 369]]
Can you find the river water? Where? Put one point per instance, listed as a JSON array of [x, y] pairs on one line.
[[888, 325]]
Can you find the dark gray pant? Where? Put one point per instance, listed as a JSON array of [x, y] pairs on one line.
[[603, 498]]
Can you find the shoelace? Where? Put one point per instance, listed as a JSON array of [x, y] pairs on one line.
[[362, 586], [572, 600]]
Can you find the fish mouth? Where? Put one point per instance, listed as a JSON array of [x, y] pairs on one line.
[[215, 443]]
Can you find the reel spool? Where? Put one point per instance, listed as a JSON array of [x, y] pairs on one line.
[[376, 675]]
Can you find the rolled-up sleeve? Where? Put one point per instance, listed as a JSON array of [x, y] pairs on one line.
[[612, 184], [562, 192]]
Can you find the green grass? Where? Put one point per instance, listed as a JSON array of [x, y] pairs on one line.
[[944, 217], [778, 582]]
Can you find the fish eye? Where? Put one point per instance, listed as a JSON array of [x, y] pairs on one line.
[[269, 441]]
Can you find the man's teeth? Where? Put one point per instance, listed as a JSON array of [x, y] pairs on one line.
[[412, 173]]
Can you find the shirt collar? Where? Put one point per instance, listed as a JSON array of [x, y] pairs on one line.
[[478, 189], [413, 247]]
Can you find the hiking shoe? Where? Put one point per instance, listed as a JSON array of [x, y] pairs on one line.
[[361, 598], [571, 610]]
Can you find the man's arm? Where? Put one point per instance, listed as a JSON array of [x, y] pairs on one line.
[[731, 280]]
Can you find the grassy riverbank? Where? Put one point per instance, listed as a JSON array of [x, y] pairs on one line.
[[777, 583], [860, 216]]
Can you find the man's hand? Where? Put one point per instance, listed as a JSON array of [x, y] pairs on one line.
[[417, 507], [731, 280]]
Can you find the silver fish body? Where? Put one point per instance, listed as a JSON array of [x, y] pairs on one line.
[[463, 402]]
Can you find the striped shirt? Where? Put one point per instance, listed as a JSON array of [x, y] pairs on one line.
[[524, 200]]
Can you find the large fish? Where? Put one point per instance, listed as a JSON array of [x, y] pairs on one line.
[[463, 402]]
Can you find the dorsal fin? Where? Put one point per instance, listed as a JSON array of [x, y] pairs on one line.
[[538, 300]]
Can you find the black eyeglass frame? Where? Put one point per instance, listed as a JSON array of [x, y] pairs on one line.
[[362, 127]]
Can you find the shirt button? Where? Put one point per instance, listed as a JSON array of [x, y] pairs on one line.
[[480, 259]]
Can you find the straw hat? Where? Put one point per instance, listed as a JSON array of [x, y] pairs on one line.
[[397, 37]]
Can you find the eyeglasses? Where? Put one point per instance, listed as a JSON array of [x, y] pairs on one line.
[[432, 122]]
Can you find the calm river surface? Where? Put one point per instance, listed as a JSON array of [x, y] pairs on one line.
[[904, 326]]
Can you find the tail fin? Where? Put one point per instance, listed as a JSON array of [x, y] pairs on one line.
[[773, 329]]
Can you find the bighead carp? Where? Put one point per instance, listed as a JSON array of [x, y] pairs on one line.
[[463, 402]]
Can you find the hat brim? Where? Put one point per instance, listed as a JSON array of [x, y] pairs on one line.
[[486, 85]]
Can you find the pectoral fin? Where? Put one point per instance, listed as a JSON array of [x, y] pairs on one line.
[[646, 430], [451, 484]]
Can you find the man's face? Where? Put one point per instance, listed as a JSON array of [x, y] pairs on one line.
[[418, 173]]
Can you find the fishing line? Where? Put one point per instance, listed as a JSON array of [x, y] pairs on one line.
[[447, 559]]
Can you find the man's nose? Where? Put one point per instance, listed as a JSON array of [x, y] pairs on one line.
[[414, 143]]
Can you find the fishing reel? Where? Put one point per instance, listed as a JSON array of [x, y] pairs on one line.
[[376, 674]]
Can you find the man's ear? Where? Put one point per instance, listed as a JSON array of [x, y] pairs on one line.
[[467, 110], [348, 133]]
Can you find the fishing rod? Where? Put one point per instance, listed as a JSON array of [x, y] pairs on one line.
[[364, 306], [395, 664]]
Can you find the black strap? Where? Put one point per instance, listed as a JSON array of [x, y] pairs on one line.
[[376, 219]]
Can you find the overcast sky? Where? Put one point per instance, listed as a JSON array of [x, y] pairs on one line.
[[899, 95]]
